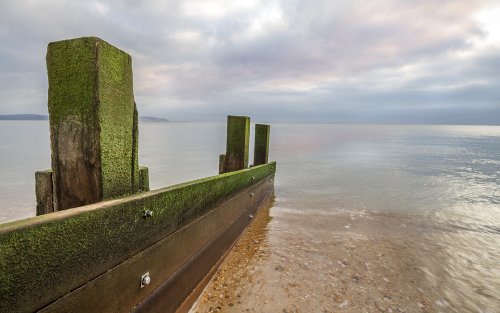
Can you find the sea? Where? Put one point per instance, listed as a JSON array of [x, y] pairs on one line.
[[365, 218]]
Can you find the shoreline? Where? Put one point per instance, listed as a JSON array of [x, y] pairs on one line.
[[288, 262]]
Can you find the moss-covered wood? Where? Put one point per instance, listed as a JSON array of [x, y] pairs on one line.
[[238, 139], [261, 148], [143, 178], [93, 122], [166, 261], [43, 192], [44, 257], [222, 163]]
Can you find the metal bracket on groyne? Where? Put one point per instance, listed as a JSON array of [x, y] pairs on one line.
[[102, 242]]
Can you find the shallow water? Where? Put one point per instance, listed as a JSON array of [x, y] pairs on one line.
[[419, 204]]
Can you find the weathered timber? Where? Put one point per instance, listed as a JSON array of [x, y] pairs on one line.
[[94, 257], [43, 192], [67, 249], [93, 122], [222, 163], [143, 178], [176, 264], [261, 148], [169, 296], [238, 138]]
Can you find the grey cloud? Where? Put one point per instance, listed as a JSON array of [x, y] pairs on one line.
[[323, 61]]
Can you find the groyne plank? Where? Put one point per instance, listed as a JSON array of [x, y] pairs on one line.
[[45, 257], [186, 255], [171, 294]]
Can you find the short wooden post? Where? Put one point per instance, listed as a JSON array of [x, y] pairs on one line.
[[238, 138], [43, 191], [222, 163], [261, 149], [93, 122], [143, 178]]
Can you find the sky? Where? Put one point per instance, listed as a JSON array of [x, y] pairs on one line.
[[322, 61]]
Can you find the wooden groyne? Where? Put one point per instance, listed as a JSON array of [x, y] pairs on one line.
[[101, 241]]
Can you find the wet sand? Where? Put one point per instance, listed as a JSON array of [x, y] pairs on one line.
[[320, 262]]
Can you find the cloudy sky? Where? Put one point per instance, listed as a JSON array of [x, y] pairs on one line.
[[394, 61]]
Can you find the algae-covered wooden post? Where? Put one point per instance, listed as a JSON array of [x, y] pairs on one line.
[[261, 149], [44, 193], [93, 122], [143, 178], [238, 138]]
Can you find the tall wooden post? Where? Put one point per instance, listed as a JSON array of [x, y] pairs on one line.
[[93, 122], [261, 149], [238, 138]]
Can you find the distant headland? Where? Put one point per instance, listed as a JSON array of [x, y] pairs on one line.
[[152, 119], [41, 117], [24, 117]]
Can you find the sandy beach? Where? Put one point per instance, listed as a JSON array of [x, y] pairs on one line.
[[292, 262]]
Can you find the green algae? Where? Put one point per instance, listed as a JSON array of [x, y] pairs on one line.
[[72, 76], [47, 256], [143, 178], [238, 139], [261, 148], [73, 104], [93, 122], [117, 122]]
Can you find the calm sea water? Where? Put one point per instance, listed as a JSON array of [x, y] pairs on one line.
[[447, 176]]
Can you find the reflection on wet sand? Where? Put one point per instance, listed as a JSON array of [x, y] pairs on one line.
[[348, 262], [236, 272]]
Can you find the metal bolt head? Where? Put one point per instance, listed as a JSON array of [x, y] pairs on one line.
[[145, 280], [148, 213]]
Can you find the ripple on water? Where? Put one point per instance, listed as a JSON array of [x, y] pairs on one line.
[[382, 261]]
